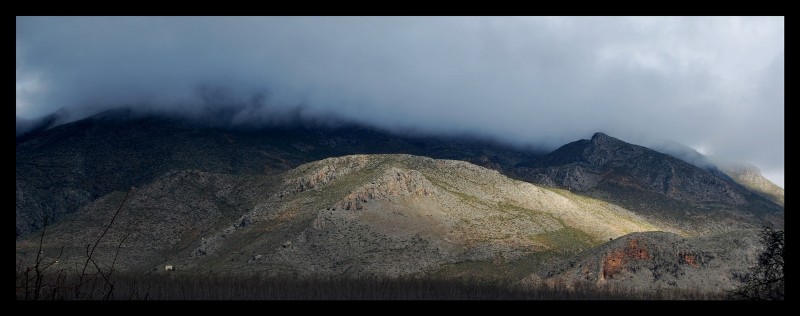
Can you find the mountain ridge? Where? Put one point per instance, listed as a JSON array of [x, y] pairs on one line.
[[117, 150], [86, 159]]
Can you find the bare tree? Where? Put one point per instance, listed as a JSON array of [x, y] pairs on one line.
[[90, 249], [37, 283], [38, 273], [765, 281]]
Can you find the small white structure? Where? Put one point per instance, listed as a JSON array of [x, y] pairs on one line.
[[169, 268]]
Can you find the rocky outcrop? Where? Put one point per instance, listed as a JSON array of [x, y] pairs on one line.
[[318, 174], [614, 262], [394, 182], [572, 177]]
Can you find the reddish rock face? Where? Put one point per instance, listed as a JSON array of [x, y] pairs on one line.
[[616, 260], [690, 260]]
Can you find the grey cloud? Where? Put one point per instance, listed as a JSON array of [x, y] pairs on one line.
[[711, 82]]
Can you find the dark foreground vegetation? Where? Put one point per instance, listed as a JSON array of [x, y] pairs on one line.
[[219, 287]]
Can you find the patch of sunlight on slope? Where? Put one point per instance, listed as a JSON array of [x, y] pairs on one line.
[[619, 219], [485, 204], [761, 185], [490, 190], [597, 218]]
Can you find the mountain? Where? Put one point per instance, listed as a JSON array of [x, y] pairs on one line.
[[309, 200], [26, 126], [383, 215], [656, 185], [62, 169]]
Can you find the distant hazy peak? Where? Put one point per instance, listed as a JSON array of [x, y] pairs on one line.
[[737, 166], [750, 177]]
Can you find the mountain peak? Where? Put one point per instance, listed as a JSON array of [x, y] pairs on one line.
[[600, 139], [599, 135]]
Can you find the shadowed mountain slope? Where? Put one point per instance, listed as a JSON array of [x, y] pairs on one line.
[[656, 185], [742, 173]]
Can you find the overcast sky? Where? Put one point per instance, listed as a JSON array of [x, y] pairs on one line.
[[715, 84]]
